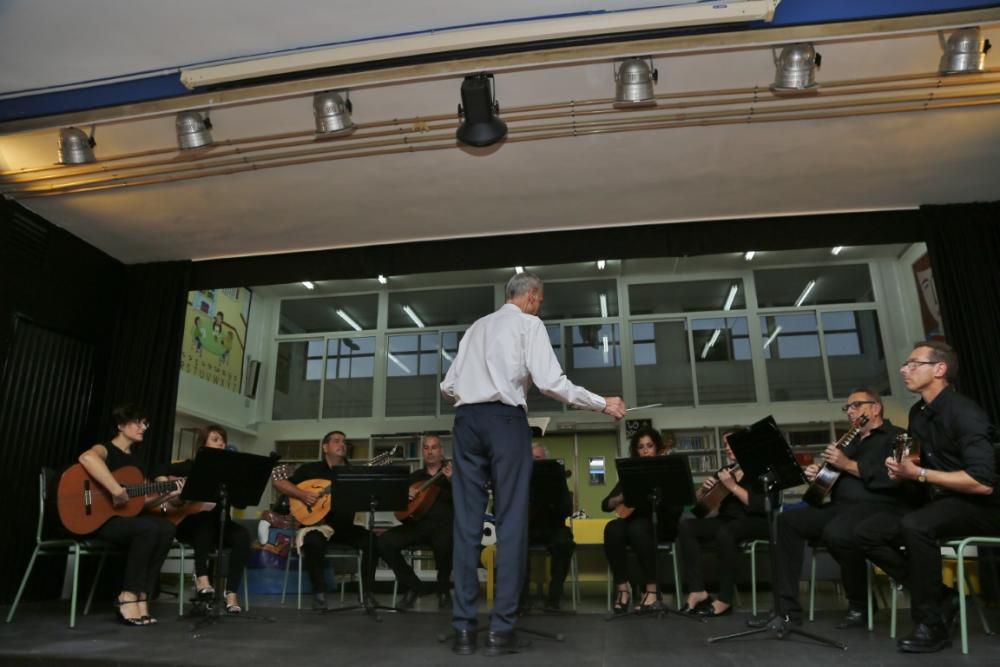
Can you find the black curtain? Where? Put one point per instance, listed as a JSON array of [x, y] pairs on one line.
[[964, 246]]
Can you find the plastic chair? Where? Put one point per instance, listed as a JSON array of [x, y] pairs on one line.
[[184, 550], [411, 554], [663, 547], [333, 551]]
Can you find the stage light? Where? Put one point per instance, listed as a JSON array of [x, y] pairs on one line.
[[478, 110], [796, 69], [634, 81], [964, 52], [193, 130], [332, 113], [75, 147]]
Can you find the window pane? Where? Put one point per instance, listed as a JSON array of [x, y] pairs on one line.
[[833, 284], [854, 350], [537, 401], [296, 380], [664, 374], [449, 348], [654, 298], [412, 385], [320, 314], [440, 307], [350, 363], [792, 356], [593, 358], [722, 360], [580, 298]]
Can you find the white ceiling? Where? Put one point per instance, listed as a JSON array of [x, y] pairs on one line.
[[731, 171]]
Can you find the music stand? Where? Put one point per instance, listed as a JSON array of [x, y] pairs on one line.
[[370, 489], [227, 478], [763, 453], [547, 492], [647, 482]]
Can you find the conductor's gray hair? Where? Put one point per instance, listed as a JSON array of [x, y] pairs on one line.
[[522, 283]]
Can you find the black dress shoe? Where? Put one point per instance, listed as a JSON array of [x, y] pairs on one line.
[[464, 642], [444, 600], [854, 618], [763, 620], [950, 608], [925, 639], [502, 643], [409, 599]]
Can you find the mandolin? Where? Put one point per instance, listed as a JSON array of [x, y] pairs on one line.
[[309, 515], [423, 495], [827, 476], [84, 505], [906, 448], [708, 502]]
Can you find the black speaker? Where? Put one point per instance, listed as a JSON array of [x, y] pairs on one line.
[[251, 377]]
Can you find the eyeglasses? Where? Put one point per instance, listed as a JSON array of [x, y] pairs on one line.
[[911, 364], [856, 405], [142, 422]]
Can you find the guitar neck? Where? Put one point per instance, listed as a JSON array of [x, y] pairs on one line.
[[150, 488]]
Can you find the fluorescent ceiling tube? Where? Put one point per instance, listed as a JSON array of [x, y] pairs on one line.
[[413, 316], [770, 339], [835, 250], [749, 255], [382, 280], [601, 264], [308, 285], [394, 359], [604, 306], [710, 343], [731, 298], [805, 293], [518, 269], [347, 318]]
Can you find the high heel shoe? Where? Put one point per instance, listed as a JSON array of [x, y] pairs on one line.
[[621, 602], [235, 607], [649, 606], [124, 620]]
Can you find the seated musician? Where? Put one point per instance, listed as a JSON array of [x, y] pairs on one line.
[[201, 529], [957, 476], [864, 488], [433, 528], [636, 531], [146, 537], [337, 527], [740, 518], [547, 527]]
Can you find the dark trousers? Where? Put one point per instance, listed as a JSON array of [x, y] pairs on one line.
[[831, 525], [558, 541], [881, 535], [314, 552], [201, 531], [635, 532], [147, 540], [437, 534], [492, 442], [726, 534]]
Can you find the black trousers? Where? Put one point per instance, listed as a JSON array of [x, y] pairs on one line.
[[725, 534], [147, 540], [635, 532], [881, 535], [558, 541], [314, 552], [201, 531], [831, 525], [492, 442], [428, 531]]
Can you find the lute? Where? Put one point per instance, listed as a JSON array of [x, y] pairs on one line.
[[827, 476]]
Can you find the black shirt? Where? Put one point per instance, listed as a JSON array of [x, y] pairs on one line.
[[320, 470], [954, 434], [119, 459], [732, 508], [873, 484], [443, 509]]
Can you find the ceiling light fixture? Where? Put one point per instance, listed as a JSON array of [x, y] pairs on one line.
[[518, 269], [413, 316], [731, 297], [193, 130], [333, 113], [478, 112], [308, 284], [749, 255], [75, 147], [770, 339], [805, 293], [796, 69], [394, 359], [447, 355], [710, 343], [601, 264], [835, 250], [347, 318], [382, 280], [604, 306], [634, 79], [964, 52]]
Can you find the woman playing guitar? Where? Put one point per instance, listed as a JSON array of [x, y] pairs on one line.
[[201, 529], [146, 538]]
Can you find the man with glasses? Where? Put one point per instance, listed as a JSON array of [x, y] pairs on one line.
[[864, 488], [957, 477]]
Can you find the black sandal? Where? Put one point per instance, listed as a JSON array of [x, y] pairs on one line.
[[648, 607], [123, 619], [621, 602]]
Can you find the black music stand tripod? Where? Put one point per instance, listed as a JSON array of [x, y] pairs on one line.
[[763, 453], [370, 489], [226, 478], [647, 482]]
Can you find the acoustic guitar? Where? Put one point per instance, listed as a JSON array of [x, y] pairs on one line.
[[708, 502], [906, 448], [827, 476], [423, 495], [84, 505], [309, 515]]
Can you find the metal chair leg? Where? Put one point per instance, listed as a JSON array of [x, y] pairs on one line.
[[24, 582], [76, 581], [812, 588], [93, 585]]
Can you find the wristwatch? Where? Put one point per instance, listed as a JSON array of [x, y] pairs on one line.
[[922, 476]]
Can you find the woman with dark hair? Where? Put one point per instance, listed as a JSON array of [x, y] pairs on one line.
[[146, 538], [635, 528], [201, 530]]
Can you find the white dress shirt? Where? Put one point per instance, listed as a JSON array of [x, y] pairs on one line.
[[499, 358]]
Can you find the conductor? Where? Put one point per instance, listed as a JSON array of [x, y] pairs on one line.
[[499, 358]]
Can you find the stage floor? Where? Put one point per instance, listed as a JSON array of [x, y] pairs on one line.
[[40, 635]]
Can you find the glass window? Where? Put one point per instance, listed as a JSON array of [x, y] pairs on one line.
[[792, 356], [593, 357], [537, 401], [439, 307], [854, 351], [580, 298], [350, 371], [333, 313], [449, 349], [297, 377], [813, 285], [722, 360], [683, 297], [662, 363], [412, 383]]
